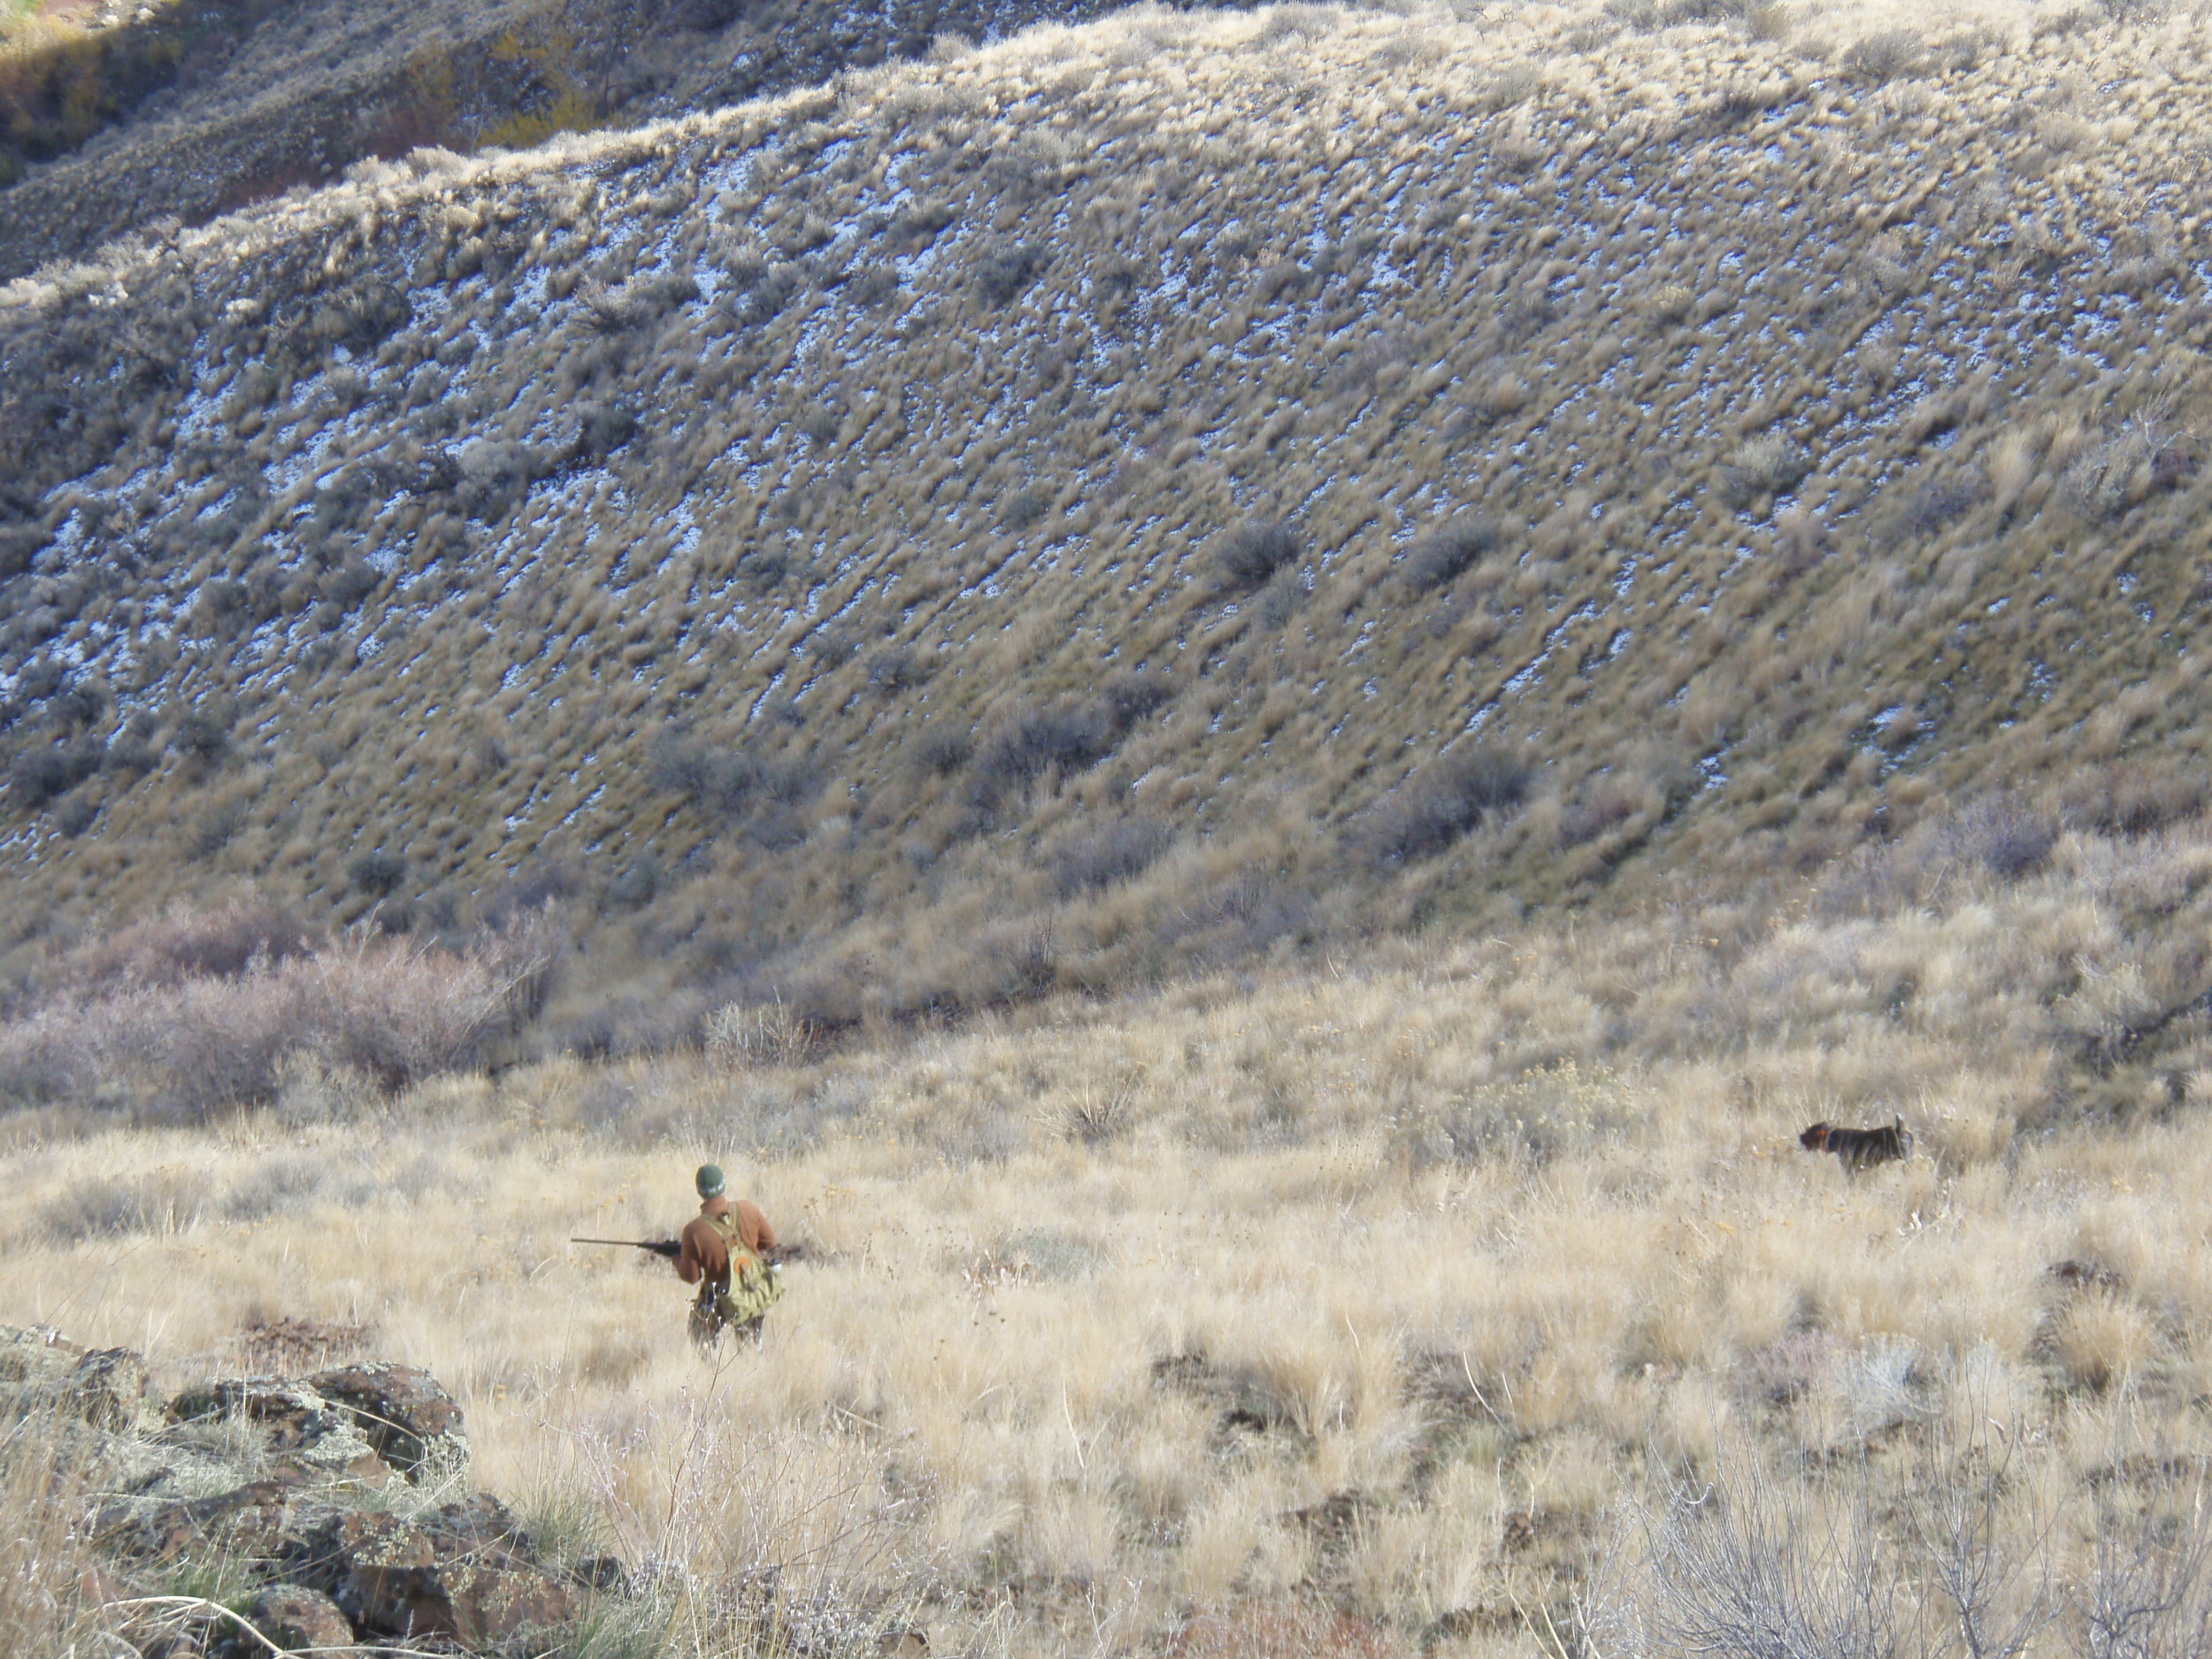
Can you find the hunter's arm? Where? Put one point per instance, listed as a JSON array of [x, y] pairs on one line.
[[686, 1264]]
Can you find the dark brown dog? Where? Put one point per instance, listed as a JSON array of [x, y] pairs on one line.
[[1861, 1148]]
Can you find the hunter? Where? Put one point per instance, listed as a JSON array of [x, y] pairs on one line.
[[724, 1250]]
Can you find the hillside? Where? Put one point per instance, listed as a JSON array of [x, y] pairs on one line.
[[115, 117], [1135, 497]]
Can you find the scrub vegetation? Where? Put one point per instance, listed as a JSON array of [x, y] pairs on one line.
[[1131, 500], [1247, 707], [1403, 1307]]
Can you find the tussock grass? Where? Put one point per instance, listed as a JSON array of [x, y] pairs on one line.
[[1374, 1300], [702, 521]]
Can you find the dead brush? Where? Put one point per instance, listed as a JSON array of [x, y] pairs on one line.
[[752, 1036], [1100, 1113]]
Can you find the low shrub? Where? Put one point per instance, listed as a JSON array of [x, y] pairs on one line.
[[1029, 739], [42, 776], [1251, 553], [1094, 860], [1443, 801], [1003, 273], [377, 874], [183, 943], [1441, 554], [1885, 57], [180, 1048], [724, 783]]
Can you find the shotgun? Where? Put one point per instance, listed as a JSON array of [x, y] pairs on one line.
[[668, 1248]]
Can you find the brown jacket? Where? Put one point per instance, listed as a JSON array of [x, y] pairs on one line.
[[705, 1256]]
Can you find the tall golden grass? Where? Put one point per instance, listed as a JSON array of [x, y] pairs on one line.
[[1416, 1303]]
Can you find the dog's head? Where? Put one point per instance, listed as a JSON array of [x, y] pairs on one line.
[[1815, 1138]]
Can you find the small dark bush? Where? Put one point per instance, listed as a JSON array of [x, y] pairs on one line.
[[377, 874], [1443, 801], [1937, 502], [1069, 732], [215, 829], [2019, 845], [44, 775], [1002, 274], [79, 705], [1251, 553], [130, 758], [1131, 697], [763, 293], [895, 668], [204, 736], [720, 781], [350, 583], [636, 885], [495, 475], [1442, 553], [941, 748], [602, 429], [1094, 861]]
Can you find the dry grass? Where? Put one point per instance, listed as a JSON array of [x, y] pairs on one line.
[[1387, 1295], [731, 526]]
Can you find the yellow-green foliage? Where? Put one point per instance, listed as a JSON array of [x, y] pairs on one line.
[[838, 536]]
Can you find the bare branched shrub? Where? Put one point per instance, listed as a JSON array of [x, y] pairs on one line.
[[1966, 1551], [185, 1046], [183, 943], [742, 1036]]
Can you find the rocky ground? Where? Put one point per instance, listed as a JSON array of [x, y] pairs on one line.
[[306, 1513]]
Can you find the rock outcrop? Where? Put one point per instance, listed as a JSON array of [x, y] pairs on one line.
[[345, 1494]]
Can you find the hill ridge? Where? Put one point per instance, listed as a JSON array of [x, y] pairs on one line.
[[1059, 511]]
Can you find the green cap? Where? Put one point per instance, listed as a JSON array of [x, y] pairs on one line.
[[710, 1180]]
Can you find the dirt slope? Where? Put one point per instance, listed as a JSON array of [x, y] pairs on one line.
[[1143, 494]]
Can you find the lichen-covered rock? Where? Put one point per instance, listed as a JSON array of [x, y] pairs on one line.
[[261, 1521], [41, 1370], [322, 1439], [403, 1412], [294, 1617], [396, 1578], [265, 1477], [34, 1355], [110, 1388]]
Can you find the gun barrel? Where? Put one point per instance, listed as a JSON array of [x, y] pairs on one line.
[[659, 1247]]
